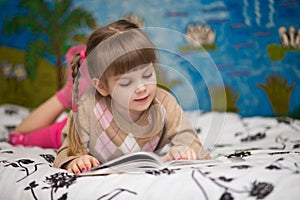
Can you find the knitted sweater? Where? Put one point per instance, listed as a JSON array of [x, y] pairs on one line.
[[170, 127]]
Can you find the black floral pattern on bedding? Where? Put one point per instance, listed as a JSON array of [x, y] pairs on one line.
[[54, 182], [256, 189], [252, 166], [116, 193], [59, 180], [27, 166]]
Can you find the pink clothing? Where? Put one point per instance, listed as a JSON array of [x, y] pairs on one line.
[[48, 137], [114, 139]]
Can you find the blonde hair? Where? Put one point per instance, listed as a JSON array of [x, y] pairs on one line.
[[111, 50]]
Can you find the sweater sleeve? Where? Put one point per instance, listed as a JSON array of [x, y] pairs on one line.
[[178, 130]]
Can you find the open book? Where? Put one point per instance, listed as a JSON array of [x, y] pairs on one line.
[[141, 162]]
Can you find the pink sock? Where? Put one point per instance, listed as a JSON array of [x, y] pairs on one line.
[[49, 137], [64, 95]]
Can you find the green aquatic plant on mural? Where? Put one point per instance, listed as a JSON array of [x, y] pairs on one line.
[[278, 92], [183, 49], [55, 24], [223, 98], [277, 52]]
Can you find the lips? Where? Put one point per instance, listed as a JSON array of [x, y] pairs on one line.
[[142, 99]]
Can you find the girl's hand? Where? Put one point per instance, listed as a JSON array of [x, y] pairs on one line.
[[81, 164], [180, 153]]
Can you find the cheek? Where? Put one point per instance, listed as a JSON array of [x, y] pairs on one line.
[[122, 95], [152, 89], [152, 83]]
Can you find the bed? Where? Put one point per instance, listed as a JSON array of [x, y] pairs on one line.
[[253, 158]]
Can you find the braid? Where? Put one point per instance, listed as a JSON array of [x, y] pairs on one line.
[[76, 74], [76, 147]]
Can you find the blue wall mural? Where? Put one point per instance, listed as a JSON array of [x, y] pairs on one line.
[[249, 49]]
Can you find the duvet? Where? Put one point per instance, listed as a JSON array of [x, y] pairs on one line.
[[252, 158]]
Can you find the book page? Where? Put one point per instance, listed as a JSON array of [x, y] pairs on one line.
[[134, 162], [187, 163], [141, 162]]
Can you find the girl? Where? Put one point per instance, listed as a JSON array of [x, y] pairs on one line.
[[125, 112]]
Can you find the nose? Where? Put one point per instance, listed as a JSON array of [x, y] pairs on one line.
[[141, 88]]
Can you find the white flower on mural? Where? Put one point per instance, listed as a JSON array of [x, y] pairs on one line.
[[20, 72], [289, 38], [9, 71], [6, 70], [198, 35]]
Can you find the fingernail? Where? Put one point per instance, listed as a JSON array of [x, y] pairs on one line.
[[77, 172], [83, 169]]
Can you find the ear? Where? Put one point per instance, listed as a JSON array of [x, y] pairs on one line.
[[100, 86]]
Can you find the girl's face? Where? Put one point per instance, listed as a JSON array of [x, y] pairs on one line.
[[133, 92]]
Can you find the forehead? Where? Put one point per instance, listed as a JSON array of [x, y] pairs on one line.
[[140, 68], [135, 71]]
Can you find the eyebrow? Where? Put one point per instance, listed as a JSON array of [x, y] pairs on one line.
[[145, 68]]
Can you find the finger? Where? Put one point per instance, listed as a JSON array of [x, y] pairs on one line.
[[194, 155], [166, 157], [75, 168], [94, 162], [188, 155], [71, 167], [191, 155], [174, 155], [184, 154], [86, 163]]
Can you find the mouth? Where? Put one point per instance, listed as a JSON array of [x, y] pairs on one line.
[[142, 99]]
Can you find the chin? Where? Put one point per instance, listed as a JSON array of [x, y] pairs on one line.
[[141, 108]]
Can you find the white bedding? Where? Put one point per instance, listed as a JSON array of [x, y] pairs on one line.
[[254, 158]]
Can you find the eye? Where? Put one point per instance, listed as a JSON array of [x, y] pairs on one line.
[[125, 83], [147, 75]]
